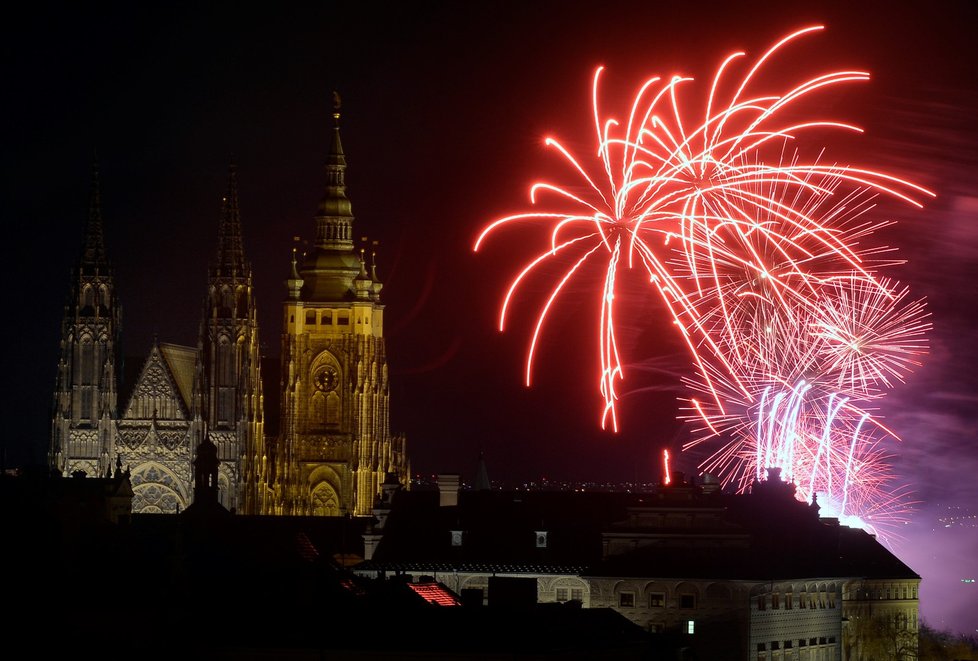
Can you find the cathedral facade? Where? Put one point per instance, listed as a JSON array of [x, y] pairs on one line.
[[334, 449]]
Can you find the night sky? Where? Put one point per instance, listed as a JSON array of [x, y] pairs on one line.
[[445, 107]]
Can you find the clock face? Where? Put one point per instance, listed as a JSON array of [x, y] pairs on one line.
[[327, 379]]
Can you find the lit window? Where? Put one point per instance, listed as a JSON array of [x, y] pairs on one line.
[[690, 626], [626, 600], [657, 600]]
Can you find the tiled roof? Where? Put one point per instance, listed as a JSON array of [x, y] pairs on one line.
[[434, 593]]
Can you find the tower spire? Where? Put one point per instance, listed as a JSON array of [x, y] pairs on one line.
[[334, 222], [230, 247], [94, 257]]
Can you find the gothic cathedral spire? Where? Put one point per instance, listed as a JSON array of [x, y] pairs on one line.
[[230, 374], [230, 262], [334, 449], [86, 389]]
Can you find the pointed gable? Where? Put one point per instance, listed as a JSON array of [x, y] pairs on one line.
[[157, 393], [182, 362]]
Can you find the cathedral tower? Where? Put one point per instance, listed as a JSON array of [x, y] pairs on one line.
[[85, 398], [335, 447], [230, 388]]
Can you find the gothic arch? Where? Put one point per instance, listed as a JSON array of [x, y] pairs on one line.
[[88, 297], [224, 490], [323, 500], [326, 400], [322, 359], [152, 471], [324, 489], [156, 489]]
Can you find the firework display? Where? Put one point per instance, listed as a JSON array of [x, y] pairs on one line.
[[762, 255]]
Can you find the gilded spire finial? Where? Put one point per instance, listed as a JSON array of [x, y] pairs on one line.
[[373, 261], [363, 264], [295, 271]]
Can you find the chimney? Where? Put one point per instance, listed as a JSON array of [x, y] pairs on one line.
[[370, 542], [448, 486]]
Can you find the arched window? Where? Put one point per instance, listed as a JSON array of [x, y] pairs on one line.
[[226, 363], [88, 297], [318, 408], [87, 366], [242, 308], [332, 408], [324, 501], [311, 317]]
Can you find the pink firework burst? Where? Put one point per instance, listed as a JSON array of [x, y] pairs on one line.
[[682, 193]]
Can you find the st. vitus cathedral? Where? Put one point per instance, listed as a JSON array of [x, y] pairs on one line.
[[334, 449]]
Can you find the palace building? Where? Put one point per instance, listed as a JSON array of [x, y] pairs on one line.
[[334, 448]]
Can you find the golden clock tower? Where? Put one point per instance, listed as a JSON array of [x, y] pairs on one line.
[[334, 449]]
